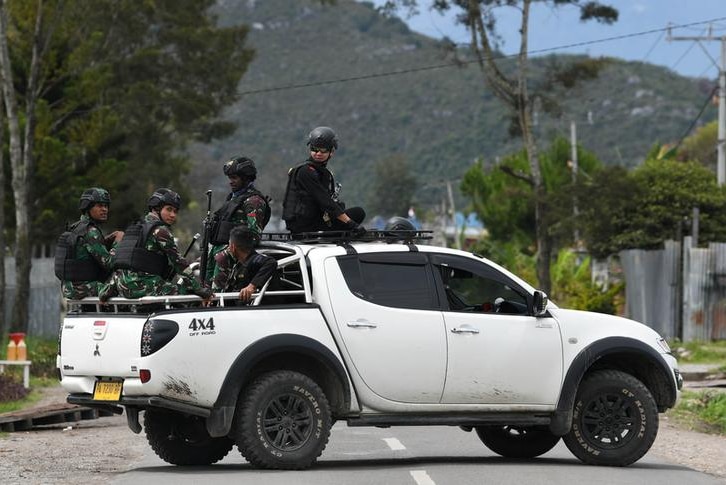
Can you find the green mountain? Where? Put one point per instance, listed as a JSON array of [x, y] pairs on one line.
[[440, 119]]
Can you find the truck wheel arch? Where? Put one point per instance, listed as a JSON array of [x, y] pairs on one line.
[[620, 353], [252, 360]]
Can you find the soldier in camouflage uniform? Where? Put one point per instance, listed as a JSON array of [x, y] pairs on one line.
[[239, 267], [84, 257], [244, 205], [148, 257]]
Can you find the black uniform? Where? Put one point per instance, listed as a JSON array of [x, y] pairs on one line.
[[310, 203]]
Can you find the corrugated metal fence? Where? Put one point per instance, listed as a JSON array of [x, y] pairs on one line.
[[653, 289], [45, 296]]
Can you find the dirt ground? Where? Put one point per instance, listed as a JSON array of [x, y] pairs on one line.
[[96, 450]]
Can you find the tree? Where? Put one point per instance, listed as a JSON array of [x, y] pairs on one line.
[[503, 198], [111, 92], [393, 187], [3, 329], [480, 18], [701, 146], [661, 195], [21, 151]]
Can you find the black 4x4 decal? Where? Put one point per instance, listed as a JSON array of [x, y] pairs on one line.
[[201, 326]]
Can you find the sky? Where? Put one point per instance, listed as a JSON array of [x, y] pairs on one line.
[[553, 28]]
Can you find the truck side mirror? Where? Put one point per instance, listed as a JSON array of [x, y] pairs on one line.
[[539, 303]]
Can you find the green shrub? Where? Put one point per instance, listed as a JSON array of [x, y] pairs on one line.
[[707, 409], [42, 351], [572, 286]]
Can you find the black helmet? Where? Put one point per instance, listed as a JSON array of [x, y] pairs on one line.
[[242, 167], [323, 137], [399, 224], [94, 195], [162, 197]]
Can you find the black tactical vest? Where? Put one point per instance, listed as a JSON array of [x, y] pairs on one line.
[[298, 204], [67, 267], [222, 222], [131, 252]]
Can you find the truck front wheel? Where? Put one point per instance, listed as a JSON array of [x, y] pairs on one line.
[[183, 440], [615, 419], [282, 421]]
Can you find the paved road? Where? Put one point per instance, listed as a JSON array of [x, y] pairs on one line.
[[417, 456]]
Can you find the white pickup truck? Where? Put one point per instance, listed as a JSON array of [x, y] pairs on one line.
[[382, 332]]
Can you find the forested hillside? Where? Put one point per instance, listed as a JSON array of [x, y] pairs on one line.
[[439, 120]]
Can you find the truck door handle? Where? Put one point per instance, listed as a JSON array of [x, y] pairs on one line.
[[362, 324], [466, 329]]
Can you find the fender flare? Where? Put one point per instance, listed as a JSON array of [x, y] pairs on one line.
[[219, 422], [562, 417]]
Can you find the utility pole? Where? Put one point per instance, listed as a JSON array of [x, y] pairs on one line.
[[721, 164], [450, 192], [575, 210]]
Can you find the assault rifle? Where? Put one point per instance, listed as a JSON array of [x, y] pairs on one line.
[[205, 239]]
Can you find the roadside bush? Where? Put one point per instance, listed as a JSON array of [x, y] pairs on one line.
[[10, 389], [43, 353], [707, 408], [572, 286]]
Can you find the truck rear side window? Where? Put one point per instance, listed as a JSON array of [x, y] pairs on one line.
[[401, 284]]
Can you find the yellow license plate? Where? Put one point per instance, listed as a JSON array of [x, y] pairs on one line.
[[107, 391]]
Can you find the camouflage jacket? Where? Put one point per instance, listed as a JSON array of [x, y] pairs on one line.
[[250, 212], [90, 246], [233, 275], [136, 284]]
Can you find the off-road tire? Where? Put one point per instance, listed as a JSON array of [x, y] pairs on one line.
[[183, 440], [517, 441], [282, 421], [615, 420]]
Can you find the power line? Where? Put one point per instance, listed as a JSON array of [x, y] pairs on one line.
[[645, 58], [708, 100], [683, 56], [460, 63]]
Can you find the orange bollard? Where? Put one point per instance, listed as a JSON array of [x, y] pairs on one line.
[[17, 338], [22, 351], [12, 351]]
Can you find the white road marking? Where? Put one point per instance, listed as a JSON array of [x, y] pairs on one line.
[[394, 444], [421, 477]]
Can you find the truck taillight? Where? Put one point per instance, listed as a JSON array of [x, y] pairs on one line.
[[156, 334], [145, 375]]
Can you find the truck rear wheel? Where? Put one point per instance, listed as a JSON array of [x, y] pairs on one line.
[[183, 440], [615, 420], [517, 441], [282, 421]]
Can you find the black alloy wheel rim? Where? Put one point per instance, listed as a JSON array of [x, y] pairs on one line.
[[608, 420], [287, 422]]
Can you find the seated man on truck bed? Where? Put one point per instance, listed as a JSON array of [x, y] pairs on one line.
[[239, 267], [148, 261]]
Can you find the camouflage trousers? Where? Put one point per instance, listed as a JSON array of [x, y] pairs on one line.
[[211, 263], [76, 290], [135, 284]]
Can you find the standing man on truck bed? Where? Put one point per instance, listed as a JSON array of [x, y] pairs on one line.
[[244, 205]]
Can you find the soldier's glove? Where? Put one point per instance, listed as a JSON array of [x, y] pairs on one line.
[[204, 292], [355, 229]]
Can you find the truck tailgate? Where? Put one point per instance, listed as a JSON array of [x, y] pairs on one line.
[[101, 345]]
